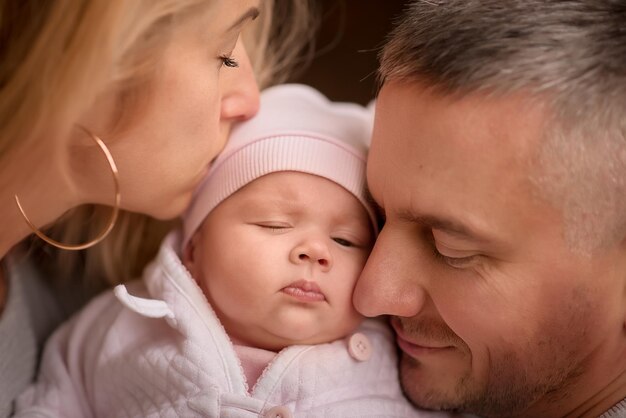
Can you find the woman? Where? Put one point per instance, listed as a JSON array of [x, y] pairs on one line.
[[112, 103]]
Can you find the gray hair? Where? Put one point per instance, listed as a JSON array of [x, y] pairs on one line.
[[568, 54]]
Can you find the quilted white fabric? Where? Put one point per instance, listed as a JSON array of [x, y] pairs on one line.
[[162, 352]]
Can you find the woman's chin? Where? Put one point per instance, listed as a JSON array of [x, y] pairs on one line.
[[169, 209]]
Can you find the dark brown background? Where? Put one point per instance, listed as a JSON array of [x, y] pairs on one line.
[[350, 35]]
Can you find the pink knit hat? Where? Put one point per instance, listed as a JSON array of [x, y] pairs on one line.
[[296, 129]]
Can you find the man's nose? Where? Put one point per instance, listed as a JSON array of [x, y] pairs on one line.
[[390, 283]]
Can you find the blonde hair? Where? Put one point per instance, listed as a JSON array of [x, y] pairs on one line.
[[58, 57]]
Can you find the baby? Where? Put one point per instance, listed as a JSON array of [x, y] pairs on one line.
[[246, 312]]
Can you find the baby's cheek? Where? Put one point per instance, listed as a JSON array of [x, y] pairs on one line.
[[353, 319]]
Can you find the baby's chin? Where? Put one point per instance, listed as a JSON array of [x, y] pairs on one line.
[[276, 341]]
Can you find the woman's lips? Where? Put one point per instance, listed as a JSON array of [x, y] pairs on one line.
[[304, 291]]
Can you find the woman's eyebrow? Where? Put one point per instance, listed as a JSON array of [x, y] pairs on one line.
[[252, 13]]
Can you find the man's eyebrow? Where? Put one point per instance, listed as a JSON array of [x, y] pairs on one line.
[[448, 226], [252, 13]]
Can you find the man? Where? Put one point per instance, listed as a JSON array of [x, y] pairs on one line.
[[499, 161]]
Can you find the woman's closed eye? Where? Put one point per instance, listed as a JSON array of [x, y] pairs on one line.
[[229, 61]]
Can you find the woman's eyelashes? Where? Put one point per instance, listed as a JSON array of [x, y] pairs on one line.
[[229, 61]]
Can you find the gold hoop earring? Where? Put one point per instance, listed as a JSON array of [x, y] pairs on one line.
[[116, 207]]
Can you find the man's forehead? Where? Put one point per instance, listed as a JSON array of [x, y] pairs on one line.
[[432, 153], [501, 130], [426, 97]]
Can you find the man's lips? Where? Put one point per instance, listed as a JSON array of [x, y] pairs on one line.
[[304, 291], [414, 347]]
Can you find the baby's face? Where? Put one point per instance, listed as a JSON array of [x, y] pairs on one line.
[[278, 260]]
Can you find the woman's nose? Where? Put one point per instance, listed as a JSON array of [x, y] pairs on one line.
[[314, 251], [240, 92]]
